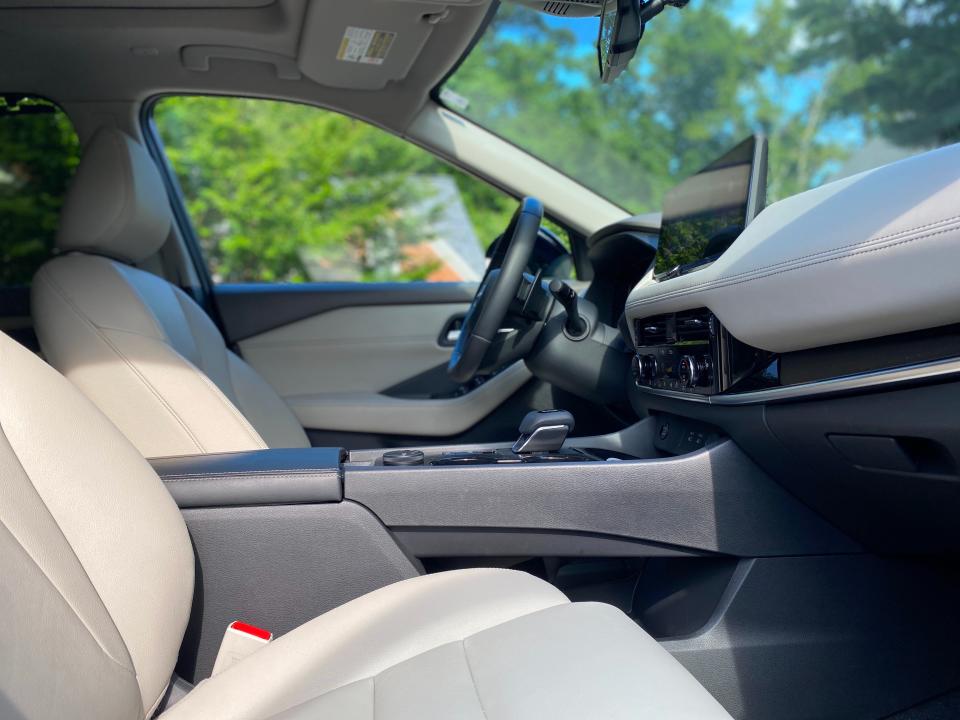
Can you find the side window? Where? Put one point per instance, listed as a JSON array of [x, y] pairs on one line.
[[280, 192], [39, 151]]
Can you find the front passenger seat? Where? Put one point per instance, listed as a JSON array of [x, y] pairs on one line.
[[97, 581], [136, 345]]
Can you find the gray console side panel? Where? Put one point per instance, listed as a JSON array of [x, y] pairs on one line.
[[845, 637], [434, 542], [714, 500], [260, 477], [278, 567]]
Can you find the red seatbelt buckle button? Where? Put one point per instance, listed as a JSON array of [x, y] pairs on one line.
[[239, 642]]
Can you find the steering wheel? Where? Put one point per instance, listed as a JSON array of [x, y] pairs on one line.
[[496, 291]]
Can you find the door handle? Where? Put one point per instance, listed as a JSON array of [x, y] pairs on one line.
[[451, 331]]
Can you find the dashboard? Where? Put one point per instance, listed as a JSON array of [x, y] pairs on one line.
[[825, 341], [870, 256]]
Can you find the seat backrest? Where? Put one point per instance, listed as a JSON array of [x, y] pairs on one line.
[[96, 568], [135, 344]]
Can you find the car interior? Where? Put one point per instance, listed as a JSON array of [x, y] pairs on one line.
[[696, 462]]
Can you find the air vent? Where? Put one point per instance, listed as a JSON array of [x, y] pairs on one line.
[[693, 325], [569, 8], [651, 332], [556, 8]]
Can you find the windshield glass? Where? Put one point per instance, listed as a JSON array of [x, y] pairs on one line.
[[838, 87]]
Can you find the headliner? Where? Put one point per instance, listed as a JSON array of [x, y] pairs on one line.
[[125, 51]]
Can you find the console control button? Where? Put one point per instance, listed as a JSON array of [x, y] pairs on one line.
[[403, 457]]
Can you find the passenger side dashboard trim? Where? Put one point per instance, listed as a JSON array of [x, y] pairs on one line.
[[920, 372]]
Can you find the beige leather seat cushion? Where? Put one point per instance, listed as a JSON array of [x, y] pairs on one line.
[[472, 644]]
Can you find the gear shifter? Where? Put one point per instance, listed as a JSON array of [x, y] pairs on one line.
[[543, 431]]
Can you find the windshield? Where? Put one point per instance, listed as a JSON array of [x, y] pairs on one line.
[[838, 87]]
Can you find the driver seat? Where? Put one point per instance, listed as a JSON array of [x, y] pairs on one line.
[[137, 346]]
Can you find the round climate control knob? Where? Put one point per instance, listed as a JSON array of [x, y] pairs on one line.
[[645, 368], [688, 371], [693, 371]]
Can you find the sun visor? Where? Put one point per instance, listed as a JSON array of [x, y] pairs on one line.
[[135, 4], [364, 44]]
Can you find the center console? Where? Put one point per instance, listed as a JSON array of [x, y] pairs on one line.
[[282, 536], [542, 437]]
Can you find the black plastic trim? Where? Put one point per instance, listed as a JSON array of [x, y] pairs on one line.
[[260, 477], [178, 207]]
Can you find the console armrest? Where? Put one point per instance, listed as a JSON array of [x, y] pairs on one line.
[[259, 477]]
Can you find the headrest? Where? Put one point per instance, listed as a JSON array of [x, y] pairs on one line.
[[117, 204]]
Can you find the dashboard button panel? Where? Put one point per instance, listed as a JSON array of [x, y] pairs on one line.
[[678, 352]]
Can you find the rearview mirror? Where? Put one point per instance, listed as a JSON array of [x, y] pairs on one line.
[[621, 26], [620, 32]]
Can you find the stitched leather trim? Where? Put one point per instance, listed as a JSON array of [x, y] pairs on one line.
[[732, 280]]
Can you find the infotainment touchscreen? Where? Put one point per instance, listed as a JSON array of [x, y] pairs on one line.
[[704, 214]]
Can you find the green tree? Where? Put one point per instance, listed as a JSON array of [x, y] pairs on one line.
[[817, 76], [266, 180], [895, 62], [38, 153]]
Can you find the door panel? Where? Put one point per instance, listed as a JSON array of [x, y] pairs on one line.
[[352, 349], [367, 358], [374, 412], [250, 309]]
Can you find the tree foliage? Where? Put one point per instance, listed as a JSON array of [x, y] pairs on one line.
[[896, 64], [265, 180], [819, 77], [38, 153]]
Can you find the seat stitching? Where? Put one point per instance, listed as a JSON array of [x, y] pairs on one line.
[[73, 552], [239, 416], [76, 614], [228, 403], [186, 321], [731, 281], [306, 472], [45, 275], [473, 679], [124, 272], [560, 603], [251, 431]]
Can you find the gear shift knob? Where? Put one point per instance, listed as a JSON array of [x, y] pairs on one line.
[[543, 431]]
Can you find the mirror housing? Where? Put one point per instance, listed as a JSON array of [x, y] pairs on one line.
[[622, 23], [620, 31]]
